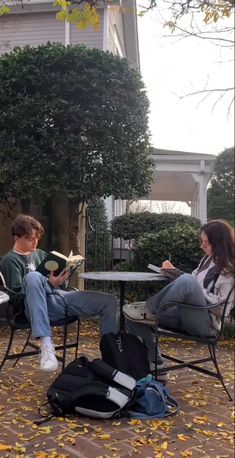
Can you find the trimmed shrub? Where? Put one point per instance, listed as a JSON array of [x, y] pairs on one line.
[[136, 224], [180, 241]]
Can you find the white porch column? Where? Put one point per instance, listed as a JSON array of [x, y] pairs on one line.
[[106, 27], [67, 33], [202, 199], [201, 193]]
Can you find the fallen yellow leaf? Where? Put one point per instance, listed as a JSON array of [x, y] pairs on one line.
[[164, 445], [5, 448], [103, 436], [186, 453], [182, 437]]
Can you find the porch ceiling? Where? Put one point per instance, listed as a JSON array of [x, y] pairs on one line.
[[179, 186], [177, 174]]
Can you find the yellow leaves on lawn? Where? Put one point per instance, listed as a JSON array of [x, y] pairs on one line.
[[186, 453]]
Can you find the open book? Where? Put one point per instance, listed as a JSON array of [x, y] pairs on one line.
[[170, 273], [56, 262]]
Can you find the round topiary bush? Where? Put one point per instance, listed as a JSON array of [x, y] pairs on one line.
[[135, 224]]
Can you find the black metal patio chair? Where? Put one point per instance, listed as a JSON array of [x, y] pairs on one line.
[[210, 342], [17, 320]]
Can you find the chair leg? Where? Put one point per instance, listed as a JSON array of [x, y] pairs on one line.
[[8, 348], [23, 349], [220, 377], [77, 339], [64, 346]]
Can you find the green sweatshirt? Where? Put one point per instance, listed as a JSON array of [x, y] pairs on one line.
[[15, 266]]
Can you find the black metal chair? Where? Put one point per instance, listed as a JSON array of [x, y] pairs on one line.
[[210, 342], [17, 320]]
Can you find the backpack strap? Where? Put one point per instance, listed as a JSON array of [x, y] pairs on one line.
[[107, 372], [170, 401]]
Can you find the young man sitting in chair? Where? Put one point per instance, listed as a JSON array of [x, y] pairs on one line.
[[19, 269]]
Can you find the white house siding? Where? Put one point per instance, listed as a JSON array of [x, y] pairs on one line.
[[88, 37], [116, 32], [30, 28], [116, 46]]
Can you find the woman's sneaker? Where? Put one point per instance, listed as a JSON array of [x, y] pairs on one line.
[[47, 358]]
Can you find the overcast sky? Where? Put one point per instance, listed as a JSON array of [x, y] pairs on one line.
[[171, 68]]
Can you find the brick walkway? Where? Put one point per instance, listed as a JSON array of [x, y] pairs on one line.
[[203, 427]]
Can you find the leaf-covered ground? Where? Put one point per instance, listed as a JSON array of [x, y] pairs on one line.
[[203, 427]]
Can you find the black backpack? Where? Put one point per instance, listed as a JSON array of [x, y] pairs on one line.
[[90, 388], [126, 353]]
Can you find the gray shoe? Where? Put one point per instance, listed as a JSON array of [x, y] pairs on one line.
[[138, 311], [163, 376]]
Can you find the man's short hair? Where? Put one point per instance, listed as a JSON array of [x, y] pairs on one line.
[[23, 225]]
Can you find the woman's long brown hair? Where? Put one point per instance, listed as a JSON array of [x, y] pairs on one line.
[[221, 237]]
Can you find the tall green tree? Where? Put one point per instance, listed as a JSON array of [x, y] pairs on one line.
[[221, 191], [73, 126]]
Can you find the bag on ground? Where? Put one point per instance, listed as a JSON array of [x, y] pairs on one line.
[[152, 400], [126, 353], [91, 388]]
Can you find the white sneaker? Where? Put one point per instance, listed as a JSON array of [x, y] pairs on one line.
[[47, 358]]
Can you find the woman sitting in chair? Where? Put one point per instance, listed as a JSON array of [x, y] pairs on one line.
[[209, 284]]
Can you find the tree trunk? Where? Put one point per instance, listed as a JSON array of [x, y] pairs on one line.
[[60, 225], [77, 234], [25, 206], [68, 231]]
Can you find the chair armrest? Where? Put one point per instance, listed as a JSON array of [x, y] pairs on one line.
[[4, 297], [9, 290], [171, 304]]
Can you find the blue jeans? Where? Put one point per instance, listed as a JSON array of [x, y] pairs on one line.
[[41, 308], [186, 290]]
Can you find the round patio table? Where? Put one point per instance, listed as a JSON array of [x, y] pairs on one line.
[[123, 278]]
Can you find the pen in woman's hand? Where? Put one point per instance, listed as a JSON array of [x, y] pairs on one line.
[[169, 257]]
